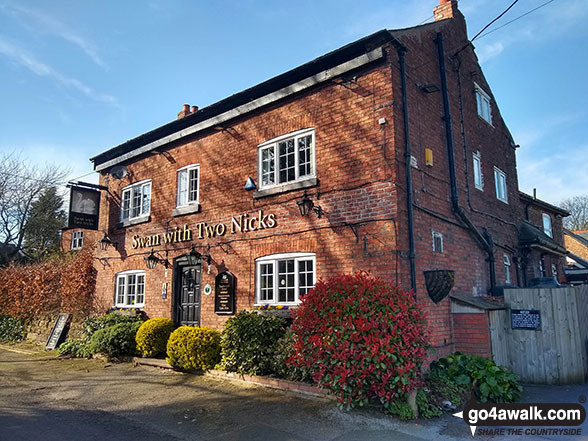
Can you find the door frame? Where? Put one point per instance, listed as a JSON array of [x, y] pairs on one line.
[[178, 264]]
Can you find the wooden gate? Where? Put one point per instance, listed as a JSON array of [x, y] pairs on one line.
[[557, 352]]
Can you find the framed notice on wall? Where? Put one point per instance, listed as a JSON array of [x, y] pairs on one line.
[[225, 284]]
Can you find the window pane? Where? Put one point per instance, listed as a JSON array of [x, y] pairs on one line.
[[304, 156], [286, 280], [126, 204], [477, 171], [131, 289], [305, 276], [287, 161], [146, 202], [267, 166], [136, 201], [120, 291], [140, 289], [182, 187], [193, 192], [267, 282]]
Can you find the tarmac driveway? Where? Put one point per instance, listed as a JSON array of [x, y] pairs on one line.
[[47, 399]]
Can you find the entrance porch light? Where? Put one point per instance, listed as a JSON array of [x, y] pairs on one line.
[[105, 242], [306, 205], [193, 257], [152, 260]]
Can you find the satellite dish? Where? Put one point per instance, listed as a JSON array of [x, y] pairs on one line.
[[119, 172]]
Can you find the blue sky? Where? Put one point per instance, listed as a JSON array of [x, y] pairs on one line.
[[79, 77]]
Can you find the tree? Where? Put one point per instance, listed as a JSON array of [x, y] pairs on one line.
[[21, 184], [41, 232], [578, 208]]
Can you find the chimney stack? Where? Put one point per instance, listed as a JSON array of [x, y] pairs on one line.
[[185, 111], [446, 9]]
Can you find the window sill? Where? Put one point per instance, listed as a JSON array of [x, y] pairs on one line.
[[291, 186], [186, 209], [284, 313], [135, 221]]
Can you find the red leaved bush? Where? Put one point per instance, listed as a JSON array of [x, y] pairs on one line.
[[362, 338], [58, 285]]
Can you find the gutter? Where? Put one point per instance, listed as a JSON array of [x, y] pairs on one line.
[[484, 240]]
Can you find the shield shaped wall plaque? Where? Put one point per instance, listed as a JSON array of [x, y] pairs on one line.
[[439, 283]]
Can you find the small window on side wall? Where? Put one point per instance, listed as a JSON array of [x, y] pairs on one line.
[[135, 201], [483, 101], [547, 229], [77, 240], [478, 176], [437, 242], [500, 183], [507, 266]]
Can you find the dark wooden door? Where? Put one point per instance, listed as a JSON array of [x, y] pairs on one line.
[[188, 295]]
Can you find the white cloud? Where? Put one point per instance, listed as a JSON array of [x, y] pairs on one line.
[[489, 51], [46, 24], [21, 57]]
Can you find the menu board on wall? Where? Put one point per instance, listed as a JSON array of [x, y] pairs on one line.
[[224, 294]]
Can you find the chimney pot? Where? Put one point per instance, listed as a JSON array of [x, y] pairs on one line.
[[186, 107], [194, 109], [185, 111]]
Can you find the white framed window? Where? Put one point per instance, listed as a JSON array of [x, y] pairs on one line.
[[500, 183], [283, 279], [437, 242], [135, 201], [547, 229], [188, 185], [554, 271], [77, 240], [478, 176], [507, 266], [286, 159], [130, 289], [483, 101]]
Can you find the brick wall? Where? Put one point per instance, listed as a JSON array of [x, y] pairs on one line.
[[472, 334]]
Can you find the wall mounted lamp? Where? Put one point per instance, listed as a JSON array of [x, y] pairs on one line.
[[194, 257], [428, 88], [105, 242], [152, 260], [306, 205]]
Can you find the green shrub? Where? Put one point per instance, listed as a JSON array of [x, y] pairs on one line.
[[284, 350], [247, 344], [152, 336], [115, 341], [191, 348], [363, 339], [427, 409], [11, 329], [114, 318], [490, 382], [400, 408], [75, 348]]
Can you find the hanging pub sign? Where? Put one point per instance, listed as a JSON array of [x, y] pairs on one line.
[[224, 294], [84, 206]]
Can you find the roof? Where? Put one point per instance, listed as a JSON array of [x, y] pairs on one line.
[[477, 302], [580, 236], [335, 58], [528, 199], [532, 237]]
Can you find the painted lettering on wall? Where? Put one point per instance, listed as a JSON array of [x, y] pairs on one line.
[[243, 223]]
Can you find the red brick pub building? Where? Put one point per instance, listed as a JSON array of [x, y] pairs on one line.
[[395, 146]]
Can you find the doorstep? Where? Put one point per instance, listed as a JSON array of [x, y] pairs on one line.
[[274, 383]]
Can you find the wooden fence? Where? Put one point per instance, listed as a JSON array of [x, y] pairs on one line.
[[556, 352]]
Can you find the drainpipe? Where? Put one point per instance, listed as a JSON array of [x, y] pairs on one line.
[[484, 241], [411, 253]]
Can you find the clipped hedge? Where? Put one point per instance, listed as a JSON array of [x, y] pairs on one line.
[[115, 341], [192, 348], [94, 324], [153, 335], [362, 339], [248, 340]]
